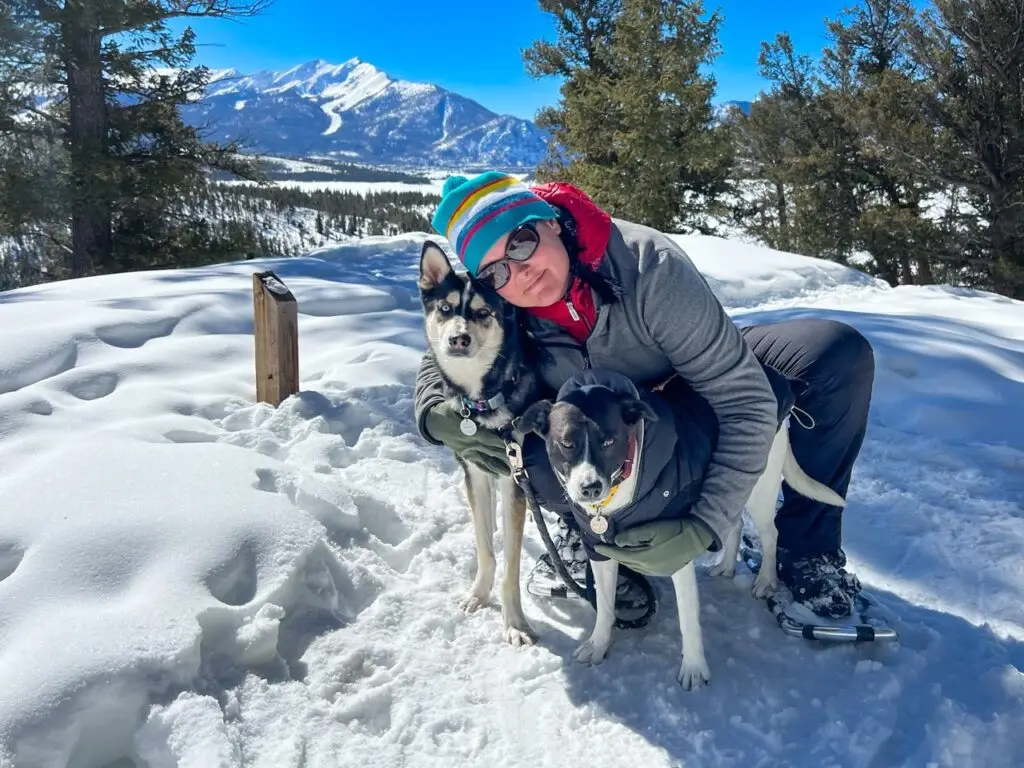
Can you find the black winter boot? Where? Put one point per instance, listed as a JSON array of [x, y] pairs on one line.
[[570, 551], [633, 597], [820, 581]]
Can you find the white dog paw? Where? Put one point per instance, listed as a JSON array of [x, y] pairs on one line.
[[694, 674], [591, 651], [724, 568], [765, 584], [473, 600], [518, 631], [519, 636]]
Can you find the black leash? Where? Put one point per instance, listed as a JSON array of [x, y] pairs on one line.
[[514, 452]]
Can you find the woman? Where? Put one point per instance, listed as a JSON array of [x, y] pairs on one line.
[[605, 293]]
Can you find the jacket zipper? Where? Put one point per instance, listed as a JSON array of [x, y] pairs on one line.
[[577, 318], [581, 347], [576, 315]]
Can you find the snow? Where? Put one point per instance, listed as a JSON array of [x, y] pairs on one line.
[[335, 119], [432, 187], [362, 83], [361, 102], [190, 578], [343, 86], [306, 78]]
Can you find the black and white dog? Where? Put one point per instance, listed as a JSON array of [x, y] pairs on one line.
[[476, 339], [595, 441]]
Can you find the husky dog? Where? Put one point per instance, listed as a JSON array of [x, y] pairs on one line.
[[476, 340], [592, 435]]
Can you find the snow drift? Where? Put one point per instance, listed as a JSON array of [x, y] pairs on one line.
[[189, 578]]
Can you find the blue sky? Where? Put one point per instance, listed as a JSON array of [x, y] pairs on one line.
[[474, 48]]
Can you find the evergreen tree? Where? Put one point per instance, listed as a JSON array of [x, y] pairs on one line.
[[763, 168], [31, 157], [20, 64], [871, 73], [971, 56], [819, 179], [821, 165], [130, 157], [635, 125]]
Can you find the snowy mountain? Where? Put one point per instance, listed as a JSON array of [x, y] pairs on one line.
[[723, 110], [743, 106], [355, 111]]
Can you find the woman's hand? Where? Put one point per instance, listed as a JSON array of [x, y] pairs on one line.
[[660, 548], [485, 449]]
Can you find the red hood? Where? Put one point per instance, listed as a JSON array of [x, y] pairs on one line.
[[593, 226], [593, 229]]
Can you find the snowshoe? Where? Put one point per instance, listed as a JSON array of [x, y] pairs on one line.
[[798, 619]]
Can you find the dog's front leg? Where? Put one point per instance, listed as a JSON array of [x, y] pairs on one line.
[[513, 508], [694, 671], [480, 494], [606, 576]]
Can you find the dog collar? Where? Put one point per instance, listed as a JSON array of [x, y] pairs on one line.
[[623, 472], [491, 404]]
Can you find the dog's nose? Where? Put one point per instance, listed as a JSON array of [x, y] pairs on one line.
[[459, 341], [590, 490]]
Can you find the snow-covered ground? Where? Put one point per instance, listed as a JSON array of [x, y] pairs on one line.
[[431, 187], [356, 187], [188, 578]]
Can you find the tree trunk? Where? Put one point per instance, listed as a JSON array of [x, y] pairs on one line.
[[924, 271], [91, 240], [1006, 235], [888, 269], [783, 218]]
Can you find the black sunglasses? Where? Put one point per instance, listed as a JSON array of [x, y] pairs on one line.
[[522, 244]]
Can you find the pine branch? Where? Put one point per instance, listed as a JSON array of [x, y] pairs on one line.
[[48, 236], [140, 13]]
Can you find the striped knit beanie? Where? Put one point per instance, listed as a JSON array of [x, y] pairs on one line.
[[475, 213]]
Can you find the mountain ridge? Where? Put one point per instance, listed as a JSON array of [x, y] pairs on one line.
[[357, 112]]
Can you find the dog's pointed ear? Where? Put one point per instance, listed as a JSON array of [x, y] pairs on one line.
[[633, 410], [535, 419], [434, 266]]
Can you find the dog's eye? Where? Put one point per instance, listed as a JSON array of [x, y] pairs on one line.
[[483, 314], [445, 307], [609, 441], [567, 444]]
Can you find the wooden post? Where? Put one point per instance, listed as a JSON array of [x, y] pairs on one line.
[[276, 328]]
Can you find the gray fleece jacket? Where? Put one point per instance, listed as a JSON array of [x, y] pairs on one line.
[[667, 320]]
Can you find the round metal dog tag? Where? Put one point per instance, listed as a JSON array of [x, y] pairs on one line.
[[599, 524], [468, 427]]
